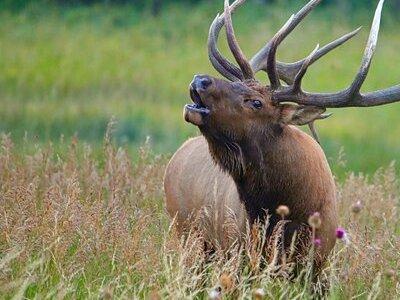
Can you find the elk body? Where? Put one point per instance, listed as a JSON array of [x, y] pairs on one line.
[[251, 157]]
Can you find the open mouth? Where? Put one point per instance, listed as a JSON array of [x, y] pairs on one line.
[[198, 108], [198, 105]]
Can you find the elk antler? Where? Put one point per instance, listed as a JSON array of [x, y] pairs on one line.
[[234, 45], [221, 64], [350, 97], [286, 71], [265, 58]]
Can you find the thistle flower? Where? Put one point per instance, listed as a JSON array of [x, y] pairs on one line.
[[356, 207], [317, 242], [315, 220], [259, 294], [283, 211], [342, 235]]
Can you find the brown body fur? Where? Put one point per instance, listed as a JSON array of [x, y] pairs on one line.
[[301, 179], [193, 182]]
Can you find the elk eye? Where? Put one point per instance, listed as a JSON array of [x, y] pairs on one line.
[[256, 104]]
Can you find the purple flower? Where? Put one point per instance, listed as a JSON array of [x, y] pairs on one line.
[[317, 242], [340, 233]]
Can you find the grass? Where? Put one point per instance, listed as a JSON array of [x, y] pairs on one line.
[[77, 225], [67, 71], [83, 218]]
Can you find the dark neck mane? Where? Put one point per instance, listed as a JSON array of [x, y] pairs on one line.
[[251, 163]]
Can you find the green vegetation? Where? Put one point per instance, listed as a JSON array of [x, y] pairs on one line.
[[67, 71]]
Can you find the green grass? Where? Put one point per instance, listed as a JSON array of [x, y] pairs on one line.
[[68, 71]]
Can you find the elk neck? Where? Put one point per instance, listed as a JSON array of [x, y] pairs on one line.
[[258, 167]]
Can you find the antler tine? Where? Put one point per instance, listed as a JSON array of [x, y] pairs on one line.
[[350, 97], [369, 52], [221, 64], [288, 71], [299, 77], [267, 55], [271, 57], [234, 46]]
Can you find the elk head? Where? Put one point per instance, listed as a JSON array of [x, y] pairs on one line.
[[241, 107]]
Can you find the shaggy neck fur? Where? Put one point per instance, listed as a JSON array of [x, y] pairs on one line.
[[253, 164]]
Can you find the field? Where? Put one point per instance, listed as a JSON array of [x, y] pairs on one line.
[[67, 72], [84, 226], [81, 207]]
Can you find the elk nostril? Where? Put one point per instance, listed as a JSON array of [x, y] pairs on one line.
[[201, 82], [205, 83]]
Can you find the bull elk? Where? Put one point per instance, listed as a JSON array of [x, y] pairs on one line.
[[251, 157]]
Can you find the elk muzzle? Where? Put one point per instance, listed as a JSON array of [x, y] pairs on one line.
[[197, 112]]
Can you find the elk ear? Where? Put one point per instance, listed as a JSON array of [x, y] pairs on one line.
[[291, 114]]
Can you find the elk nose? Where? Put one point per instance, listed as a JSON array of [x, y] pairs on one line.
[[201, 82]]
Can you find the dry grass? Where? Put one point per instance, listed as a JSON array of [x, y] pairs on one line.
[[80, 226]]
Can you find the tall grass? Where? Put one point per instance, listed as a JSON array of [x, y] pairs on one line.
[[74, 225], [67, 71]]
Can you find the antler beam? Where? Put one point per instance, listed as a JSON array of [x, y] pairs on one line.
[[350, 97]]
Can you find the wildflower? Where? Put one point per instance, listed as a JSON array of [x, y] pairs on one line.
[[259, 294], [356, 207], [317, 242], [283, 211], [342, 235], [215, 293], [315, 220], [226, 281]]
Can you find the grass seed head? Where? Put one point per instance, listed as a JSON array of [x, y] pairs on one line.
[[215, 293], [283, 211], [226, 282], [390, 273], [357, 207], [259, 294]]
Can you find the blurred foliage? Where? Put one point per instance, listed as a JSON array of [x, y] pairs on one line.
[[66, 71], [156, 5]]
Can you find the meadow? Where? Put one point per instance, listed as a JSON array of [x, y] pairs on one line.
[[66, 72], [81, 201], [90, 226]]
